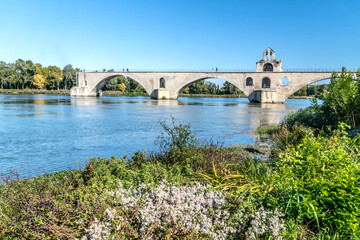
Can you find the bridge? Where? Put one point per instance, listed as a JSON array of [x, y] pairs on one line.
[[268, 84]]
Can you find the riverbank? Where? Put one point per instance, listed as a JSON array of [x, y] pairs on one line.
[[302, 97], [236, 192], [75, 204], [34, 91], [212, 96], [119, 93], [104, 93]]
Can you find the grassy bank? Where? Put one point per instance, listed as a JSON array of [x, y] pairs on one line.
[[302, 97], [212, 96], [304, 187], [119, 94], [35, 91]]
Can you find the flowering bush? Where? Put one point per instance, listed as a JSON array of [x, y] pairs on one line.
[[169, 211], [265, 223]]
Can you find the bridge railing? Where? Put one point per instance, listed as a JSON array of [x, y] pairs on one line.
[[218, 70]]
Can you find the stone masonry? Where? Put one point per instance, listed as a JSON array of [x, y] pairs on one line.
[[269, 84]]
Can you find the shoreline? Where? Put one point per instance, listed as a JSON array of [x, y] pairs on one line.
[[120, 94]]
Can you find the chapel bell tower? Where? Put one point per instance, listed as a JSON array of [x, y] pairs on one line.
[[269, 63]]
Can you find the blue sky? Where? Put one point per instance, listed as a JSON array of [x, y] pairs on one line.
[[180, 34]]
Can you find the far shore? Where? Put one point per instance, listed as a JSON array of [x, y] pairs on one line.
[[120, 94]]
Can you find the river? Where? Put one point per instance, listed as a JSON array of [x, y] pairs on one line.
[[47, 133]]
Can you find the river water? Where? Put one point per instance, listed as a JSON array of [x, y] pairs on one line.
[[47, 133]]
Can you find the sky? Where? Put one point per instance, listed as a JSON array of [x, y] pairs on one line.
[[186, 34]]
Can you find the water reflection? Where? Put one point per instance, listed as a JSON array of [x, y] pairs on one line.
[[43, 132]]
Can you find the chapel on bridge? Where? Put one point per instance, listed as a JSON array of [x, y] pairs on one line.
[[269, 63]]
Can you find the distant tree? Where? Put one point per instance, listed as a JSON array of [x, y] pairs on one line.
[[69, 76], [53, 77], [21, 74], [24, 72], [187, 90], [121, 87], [3, 70], [39, 81], [230, 89], [8, 75]]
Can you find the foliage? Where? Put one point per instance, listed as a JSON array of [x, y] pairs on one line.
[[177, 143], [313, 90], [317, 183], [193, 211], [122, 87], [69, 76], [341, 104], [127, 84], [267, 130], [39, 81], [203, 87], [25, 74], [316, 116], [343, 98]]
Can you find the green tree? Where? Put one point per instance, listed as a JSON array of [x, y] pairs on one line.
[[343, 98], [24, 72], [69, 76], [7, 73], [53, 76], [230, 89]]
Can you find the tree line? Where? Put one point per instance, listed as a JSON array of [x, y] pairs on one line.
[[23, 74], [123, 84], [129, 85], [313, 90], [206, 87]]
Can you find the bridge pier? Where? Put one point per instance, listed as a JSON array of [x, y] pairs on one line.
[[162, 94], [82, 92], [265, 96]]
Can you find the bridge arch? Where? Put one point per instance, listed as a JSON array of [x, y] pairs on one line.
[[188, 83], [296, 88], [101, 82]]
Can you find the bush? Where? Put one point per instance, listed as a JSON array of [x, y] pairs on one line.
[[181, 212], [341, 104], [317, 183], [316, 116]]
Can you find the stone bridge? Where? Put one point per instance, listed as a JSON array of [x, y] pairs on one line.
[[265, 87], [269, 84]]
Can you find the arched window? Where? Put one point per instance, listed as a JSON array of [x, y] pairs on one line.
[[249, 81], [285, 81], [162, 83], [266, 83], [268, 67]]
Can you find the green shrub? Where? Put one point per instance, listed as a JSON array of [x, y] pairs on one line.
[[317, 183], [343, 98], [290, 136], [316, 116], [341, 104]]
